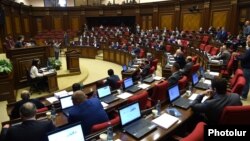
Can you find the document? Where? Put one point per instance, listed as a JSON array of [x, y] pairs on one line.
[[194, 95], [52, 99], [104, 105], [209, 82], [124, 95], [157, 78], [214, 73], [144, 86], [165, 120], [61, 94]]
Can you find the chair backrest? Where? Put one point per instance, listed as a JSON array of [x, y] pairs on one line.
[[141, 97], [159, 92], [154, 63], [197, 134], [214, 50], [239, 85], [238, 72], [205, 39], [202, 47], [195, 68], [152, 69], [183, 82], [194, 59], [235, 115], [42, 110], [104, 125], [142, 53], [208, 48]]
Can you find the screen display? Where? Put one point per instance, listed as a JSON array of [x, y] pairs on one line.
[[195, 78], [130, 113], [128, 82], [104, 91], [173, 93], [66, 102], [202, 71], [73, 133], [124, 68]]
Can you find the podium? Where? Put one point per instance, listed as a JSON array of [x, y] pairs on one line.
[[72, 60]]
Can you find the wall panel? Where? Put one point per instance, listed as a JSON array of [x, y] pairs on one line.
[[39, 25], [191, 21], [17, 25], [26, 25], [166, 21], [219, 18], [57, 23], [75, 26], [8, 25]]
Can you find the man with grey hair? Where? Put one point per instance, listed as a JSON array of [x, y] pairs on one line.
[[246, 28], [25, 95], [30, 129]]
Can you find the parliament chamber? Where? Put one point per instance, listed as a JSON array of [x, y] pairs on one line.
[[147, 43]]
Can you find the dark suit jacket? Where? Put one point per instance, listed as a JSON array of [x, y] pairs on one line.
[[187, 68], [112, 81], [90, 112], [181, 61], [145, 70], [212, 108], [173, 79], [15, 111], [30, 130], [225, 56], [18, 44]]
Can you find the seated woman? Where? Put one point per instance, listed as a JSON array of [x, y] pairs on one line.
[[36, 76]]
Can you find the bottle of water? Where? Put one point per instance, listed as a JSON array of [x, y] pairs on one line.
[[110, 133], [158, 108], [190, 88], [53, 112]]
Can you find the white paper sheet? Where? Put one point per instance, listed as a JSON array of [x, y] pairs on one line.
[[144, 86], [165, 120], [124, 95], [52, 99]]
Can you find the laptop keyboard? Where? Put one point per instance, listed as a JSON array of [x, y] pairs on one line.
[[202, 85], [109, 99], [137, 126]]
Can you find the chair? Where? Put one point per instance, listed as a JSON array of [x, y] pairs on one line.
[[142, 98], [197, 134], [152, 70], [227, 72], [42, 110], [183, 82], [194, 59], [195, 68], [202, 47], [159, 92], [235, 115], [214, 51], [208, 48], [232, 81], [239, 85], [142, 53], [154, 63], [114, 121], [205, 39], [32, 83]]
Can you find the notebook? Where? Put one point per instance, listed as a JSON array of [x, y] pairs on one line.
[[132, 121], [104, 94], [129, 86], [176, 99], [73, 132], [66, 104], [197, 84]]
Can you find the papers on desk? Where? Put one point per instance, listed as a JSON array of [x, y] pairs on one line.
[[124, 95], [157, 78], [144, 86], [194, 95], [48, 72], [215, 61], [61, 94], [135, 66], [170, 61], [52, 99], [104, 105], [214, 73], [207, 82], [165, 120], [132, 69], [70, 93]]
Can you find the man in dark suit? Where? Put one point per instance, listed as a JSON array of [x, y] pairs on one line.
[[145, 69], [88, 111], [112, 80], [219, 99], [30, 129], [179, 58], [188, 67], [25, 95], [224, 55], [19, 43], [176, 74]]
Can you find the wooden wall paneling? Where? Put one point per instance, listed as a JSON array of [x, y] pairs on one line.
[[150, 22], [177, 13], [155, 17], [75, 23], [8, 25], [144, 22], [17, 25], [26, 25], [47, 22], [233, 21], [39, 24], [57, 23], [191, 21], [66, 23], [166, 20], [206, 16], [138, 18], [219, 18]]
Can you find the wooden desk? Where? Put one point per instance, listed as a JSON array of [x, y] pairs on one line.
[[7, 91], [85, 51], [52, 81], [116, 56]]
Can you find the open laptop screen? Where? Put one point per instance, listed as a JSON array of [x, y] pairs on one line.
[[71, 133], [66, 102], [202, 71], [195, 78], [104, 91], [130, 113], [124, 68], [128, 82], [173, 93]]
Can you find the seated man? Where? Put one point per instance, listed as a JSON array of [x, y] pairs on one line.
[[223, 55], [30, 129], [145, 69], [19, 42], [219, 98], [76, 87], [112, 80], [25, 95], [89, 111], [188, 67], [179, 58], [176, 74]]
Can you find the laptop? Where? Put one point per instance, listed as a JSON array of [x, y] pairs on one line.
[[176, 99], [124, 68], [105, 95], [206, 75], [129, 86], [72, 132], [197, 84], [149, 79], [132, 121], [66, 104]]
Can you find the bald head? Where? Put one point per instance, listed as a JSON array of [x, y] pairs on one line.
[[178, 52], [189, 59], [28, 110], [78, 97], [247, 23], [25, 95]]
